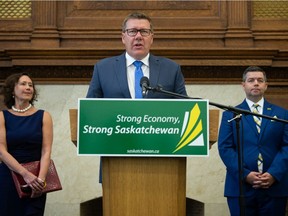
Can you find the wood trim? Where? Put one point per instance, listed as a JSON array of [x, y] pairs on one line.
[[213, 41], [213, 75]]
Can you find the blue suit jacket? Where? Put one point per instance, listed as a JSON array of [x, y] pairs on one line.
[[272, 142], [109, 78]]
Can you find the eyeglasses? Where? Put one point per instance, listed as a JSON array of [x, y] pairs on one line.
[[134, 32]]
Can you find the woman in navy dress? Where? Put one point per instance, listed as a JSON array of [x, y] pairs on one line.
[[26, 135]]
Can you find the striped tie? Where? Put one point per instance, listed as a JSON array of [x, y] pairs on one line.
[[257, 120], [260, 163]]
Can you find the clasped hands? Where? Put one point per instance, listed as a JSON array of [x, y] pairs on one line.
[[36, 187], [260, 180]]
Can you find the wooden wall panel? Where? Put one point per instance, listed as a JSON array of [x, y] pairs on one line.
[[15, 24], [184, 23], [208, 38], [269, 25]]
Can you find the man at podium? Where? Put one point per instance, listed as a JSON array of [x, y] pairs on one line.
[[119, 76]]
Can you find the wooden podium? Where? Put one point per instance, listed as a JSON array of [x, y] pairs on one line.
[[144, 186], [141, 186]]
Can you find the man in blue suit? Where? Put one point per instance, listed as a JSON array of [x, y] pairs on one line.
[[114, 77], [265, 152]]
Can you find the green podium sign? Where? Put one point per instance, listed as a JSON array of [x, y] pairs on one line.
[[146, 127]]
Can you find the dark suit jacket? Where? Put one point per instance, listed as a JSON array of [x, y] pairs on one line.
[[109, 78], [272, 142]]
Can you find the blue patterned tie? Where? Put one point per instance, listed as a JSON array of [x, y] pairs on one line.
[[257, 120], [138, 76]]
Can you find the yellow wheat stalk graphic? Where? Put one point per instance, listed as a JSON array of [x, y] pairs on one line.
[[193, 129]]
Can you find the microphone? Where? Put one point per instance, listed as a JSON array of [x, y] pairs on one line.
[[145, 85]]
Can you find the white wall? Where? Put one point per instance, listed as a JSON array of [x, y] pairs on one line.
[[79, 175]]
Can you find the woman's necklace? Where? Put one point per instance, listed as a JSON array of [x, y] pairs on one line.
[[22, 110]]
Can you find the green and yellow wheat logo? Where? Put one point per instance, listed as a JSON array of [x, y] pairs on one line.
[[192, 129]]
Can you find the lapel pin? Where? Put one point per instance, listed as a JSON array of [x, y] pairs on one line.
[[274, 117]]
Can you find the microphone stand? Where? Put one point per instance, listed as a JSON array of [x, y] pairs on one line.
[[238, 114], [236, 110]]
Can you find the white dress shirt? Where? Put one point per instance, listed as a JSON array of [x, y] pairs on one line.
[[131, 71]]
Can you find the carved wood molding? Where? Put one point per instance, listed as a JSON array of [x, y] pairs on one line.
[[277, 77], [213, 41], [198, 65], [184, 56]]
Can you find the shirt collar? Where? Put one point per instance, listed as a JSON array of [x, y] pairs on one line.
[[130, 59], [251, 103]]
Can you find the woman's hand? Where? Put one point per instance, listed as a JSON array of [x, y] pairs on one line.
[[37, 184], [37, 187]]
